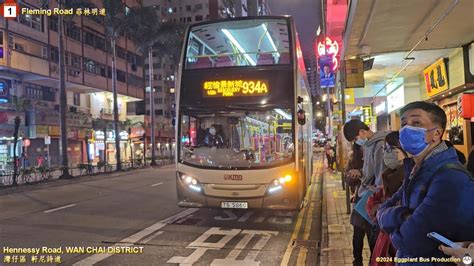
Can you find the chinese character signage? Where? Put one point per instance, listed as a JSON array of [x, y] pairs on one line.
[[366, 116], [50, 117], [234, 88], [436, 79]]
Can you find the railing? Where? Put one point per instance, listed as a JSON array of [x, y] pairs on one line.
[[33, 175]]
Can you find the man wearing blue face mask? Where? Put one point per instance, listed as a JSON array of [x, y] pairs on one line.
[[437, 196]]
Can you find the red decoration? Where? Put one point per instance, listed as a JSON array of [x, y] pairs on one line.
[[467, 102], [329, 47]]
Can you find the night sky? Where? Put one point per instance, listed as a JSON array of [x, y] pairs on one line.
[[307, 16]]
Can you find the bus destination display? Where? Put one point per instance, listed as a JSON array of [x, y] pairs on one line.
[[234, 88]]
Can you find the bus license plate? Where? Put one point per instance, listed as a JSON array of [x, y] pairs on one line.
[[234, 205]]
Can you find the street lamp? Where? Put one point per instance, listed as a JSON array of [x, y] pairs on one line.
[[319, 114]]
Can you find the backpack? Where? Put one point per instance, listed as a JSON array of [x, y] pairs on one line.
[[455, 166]]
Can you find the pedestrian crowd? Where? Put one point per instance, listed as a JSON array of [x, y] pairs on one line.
[[413, 192]]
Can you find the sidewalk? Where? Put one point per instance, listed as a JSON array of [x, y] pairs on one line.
[[34, 178], [336, 246], [55, 181]]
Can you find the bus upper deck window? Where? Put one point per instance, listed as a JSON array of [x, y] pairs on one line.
[[265, 59], [224, 61], [202, 62]]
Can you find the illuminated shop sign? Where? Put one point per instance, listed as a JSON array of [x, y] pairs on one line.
[[4, 91], [233, 88], [436, 79], [396, 99], [381, 108], [330, 48]]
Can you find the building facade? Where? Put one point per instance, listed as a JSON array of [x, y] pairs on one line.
[[29, 70]]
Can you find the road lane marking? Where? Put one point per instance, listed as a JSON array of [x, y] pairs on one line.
[[229, 213], [60, 208], [231, 258], [239, 247], [244, 218], [252, 255], [136, 237], [307, 228], [202, 246], [157, 184], [150, 237], [289, 248], [309, 219]]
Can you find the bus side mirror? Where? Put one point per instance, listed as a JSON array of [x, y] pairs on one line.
[[301, 117]]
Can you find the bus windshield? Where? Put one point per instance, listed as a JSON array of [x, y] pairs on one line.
[[236, 139], [238, 43]]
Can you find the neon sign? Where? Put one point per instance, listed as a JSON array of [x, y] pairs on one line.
[[329, 47], [234, 88]]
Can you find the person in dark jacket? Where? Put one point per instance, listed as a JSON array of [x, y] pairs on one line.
[[434, 197], [361, 227], [371, 173], [461, 156]]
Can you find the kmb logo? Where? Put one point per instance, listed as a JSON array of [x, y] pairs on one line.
[[10, 9], [232, 177]]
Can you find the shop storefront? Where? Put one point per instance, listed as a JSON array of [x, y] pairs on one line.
[[137, 142], [449, 83], [45, 122], [102, 147], [7, 129], [382, 117]]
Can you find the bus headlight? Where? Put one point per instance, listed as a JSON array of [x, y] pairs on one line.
[[192, 183], [277, 184]]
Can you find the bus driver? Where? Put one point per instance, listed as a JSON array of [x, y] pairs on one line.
[[212, 139]]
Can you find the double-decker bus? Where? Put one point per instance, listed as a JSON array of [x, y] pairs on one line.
[[244, 116]]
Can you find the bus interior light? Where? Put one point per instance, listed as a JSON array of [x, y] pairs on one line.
[[283, 113], [237, 44]]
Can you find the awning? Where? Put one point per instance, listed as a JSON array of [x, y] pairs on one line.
[[374, 27]]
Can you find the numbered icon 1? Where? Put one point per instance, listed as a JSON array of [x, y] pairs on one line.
[[10, 9]]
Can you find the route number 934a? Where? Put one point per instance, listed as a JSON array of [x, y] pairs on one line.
[[251, 87]]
